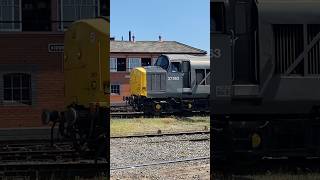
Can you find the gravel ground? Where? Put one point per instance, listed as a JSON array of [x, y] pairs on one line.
[[135, 151]]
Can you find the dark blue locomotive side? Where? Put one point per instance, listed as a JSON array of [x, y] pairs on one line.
[[265, 64]]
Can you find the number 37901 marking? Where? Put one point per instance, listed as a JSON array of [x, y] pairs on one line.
[[173, 78]]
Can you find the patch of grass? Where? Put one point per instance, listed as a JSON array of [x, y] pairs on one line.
[[121, 127]]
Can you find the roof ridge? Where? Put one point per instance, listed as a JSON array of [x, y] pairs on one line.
[[167, 47], [141, 41], [191, 47]]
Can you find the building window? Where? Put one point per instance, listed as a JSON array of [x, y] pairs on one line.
[[36, 15], [121, 64], [17, 88], [146, 62], [113, 64], [153, 61], [10, 11], [202, 76], [72, 10], [133, 63], [115, 89]]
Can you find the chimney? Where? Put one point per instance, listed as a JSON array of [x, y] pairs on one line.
[[160, 38], [129, 35], [121, 38], [133, 38]]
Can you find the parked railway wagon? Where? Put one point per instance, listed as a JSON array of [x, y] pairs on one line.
[[86, 72], [175, 83], [265, 94]]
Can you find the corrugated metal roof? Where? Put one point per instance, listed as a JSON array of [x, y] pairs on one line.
[[166, 47]]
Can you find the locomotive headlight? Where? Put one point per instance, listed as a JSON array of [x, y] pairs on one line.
[[189, 105], [255, 140], [158, 106]]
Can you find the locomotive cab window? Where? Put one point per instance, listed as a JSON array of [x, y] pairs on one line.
[[163, 62], [217, 17], [175, 67]]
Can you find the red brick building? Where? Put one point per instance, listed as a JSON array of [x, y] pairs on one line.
[[125, 55], [31, 54]]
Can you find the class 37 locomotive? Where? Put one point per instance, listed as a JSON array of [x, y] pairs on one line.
[[175, 83]]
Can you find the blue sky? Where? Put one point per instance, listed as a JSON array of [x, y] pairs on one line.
[[185, 21]]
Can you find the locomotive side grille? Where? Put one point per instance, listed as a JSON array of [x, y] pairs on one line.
[[156, 81], [314, 53], [288, 40], [289, 44]]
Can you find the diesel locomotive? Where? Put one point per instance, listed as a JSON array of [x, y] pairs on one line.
[[265, 80], [175, 83], [86, 75]]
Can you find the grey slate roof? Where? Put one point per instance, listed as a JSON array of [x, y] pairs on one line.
[[168, 47]]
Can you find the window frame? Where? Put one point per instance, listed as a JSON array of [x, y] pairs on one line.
[[61, 14], [129, 68], [115, 94], [125, 63], [12, 19], [29, 101], [150, 59], [111, 68], [178, 68]]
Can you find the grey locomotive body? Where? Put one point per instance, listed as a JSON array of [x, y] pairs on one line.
[[175, 83], [266, 68]]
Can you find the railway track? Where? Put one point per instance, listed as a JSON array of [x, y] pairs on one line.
[[152, 134], [160, 163], [124, 115], [126, 111], [38, 158], [270, 166]]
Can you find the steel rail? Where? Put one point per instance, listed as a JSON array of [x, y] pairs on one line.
[[138, 135], [160, 163]]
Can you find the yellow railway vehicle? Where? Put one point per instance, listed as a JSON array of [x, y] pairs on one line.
[[86, 70], [138, 82], [85, 63]]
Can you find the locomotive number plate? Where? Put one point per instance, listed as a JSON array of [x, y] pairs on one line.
[[173, 78]]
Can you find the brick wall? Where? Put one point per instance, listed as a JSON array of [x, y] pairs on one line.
[[28, 52]]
